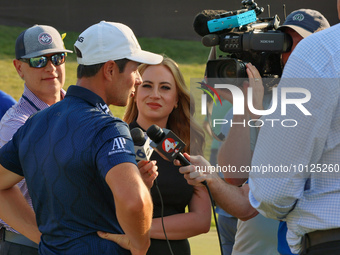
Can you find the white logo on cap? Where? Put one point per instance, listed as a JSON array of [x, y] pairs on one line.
[[299, 17], [45, 38]]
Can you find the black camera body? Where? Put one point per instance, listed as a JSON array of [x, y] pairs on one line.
[[258, 42]]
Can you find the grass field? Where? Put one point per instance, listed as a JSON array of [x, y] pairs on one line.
[[205, 244]]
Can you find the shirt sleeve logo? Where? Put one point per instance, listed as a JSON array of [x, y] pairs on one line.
[[118, 143], [118, 146]]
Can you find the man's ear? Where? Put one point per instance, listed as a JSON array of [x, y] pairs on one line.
[[109, 69], [18, 66]]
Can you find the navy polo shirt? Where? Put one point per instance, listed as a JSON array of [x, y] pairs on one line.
[[64, 152]]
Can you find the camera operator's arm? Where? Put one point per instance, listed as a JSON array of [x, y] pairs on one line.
[[236, 149]]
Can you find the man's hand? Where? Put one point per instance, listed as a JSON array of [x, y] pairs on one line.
[[255, 82], [148, 171], [122, 240], [192, 173]]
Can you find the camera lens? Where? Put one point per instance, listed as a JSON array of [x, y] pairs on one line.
[[228, 70]]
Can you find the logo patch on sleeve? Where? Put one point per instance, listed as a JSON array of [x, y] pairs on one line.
[[118, 146]]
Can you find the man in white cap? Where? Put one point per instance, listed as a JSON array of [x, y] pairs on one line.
[[78, 159], [40, 62]]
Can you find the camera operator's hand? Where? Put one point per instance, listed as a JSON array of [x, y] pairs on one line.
[[255, 82]]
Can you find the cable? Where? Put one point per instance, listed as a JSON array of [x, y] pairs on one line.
[[214, 213], [162, 215], [213, 208]]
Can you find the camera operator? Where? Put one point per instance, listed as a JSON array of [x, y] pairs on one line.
[[258, 235]]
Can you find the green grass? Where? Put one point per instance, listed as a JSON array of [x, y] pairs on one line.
[[205, 244]]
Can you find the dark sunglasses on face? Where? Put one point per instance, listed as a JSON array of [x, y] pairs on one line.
[[41, 61]]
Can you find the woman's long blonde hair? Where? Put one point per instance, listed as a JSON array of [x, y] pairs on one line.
[[181, 120]]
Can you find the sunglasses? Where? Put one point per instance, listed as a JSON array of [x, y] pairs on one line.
[[40, 62]]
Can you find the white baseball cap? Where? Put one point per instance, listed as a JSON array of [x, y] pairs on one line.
[[111, 41]]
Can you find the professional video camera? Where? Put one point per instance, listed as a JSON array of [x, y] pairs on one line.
[[246, 38]]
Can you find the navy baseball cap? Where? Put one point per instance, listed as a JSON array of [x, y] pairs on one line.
[[305, 22], [37, 41]]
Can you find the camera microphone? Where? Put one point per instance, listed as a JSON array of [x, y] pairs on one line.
[[219, 21], [141, 145], [211, 40], [202, 18]]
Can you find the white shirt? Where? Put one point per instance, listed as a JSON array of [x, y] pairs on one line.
[[306, 200]]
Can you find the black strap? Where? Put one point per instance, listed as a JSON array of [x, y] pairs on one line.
[[2, 234], [31, 103]]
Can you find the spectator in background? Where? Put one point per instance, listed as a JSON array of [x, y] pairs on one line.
[[6, 101], [40, 61]]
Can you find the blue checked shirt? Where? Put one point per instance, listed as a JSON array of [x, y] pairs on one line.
[[13, 119], [301, 184]]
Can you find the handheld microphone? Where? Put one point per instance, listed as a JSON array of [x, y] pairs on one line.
[[142, 147], [168, 145]]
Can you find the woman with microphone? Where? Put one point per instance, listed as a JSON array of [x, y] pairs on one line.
[[163, 99]]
